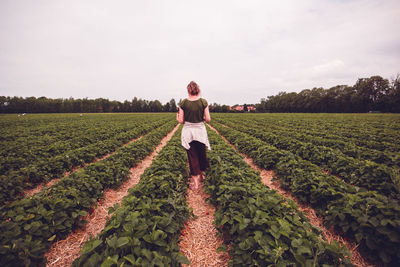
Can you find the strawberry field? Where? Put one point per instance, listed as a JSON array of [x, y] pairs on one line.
[[345, 167]]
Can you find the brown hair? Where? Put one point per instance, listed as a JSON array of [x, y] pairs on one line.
[[193, 88]]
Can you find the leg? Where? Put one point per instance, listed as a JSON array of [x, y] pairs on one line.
[[194, 164], [196, 181], [202, 156]]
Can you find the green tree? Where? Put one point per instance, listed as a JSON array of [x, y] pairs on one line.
[[172, 105]]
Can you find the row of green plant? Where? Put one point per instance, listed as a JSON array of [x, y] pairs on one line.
[[347, 147], [376, 132], [261, 227], [29, 226], [13, 185], [361, 136], [145, 230], [54, 136], [368, 218], [362, 173], [380, 128]]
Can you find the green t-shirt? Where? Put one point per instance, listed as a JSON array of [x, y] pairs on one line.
[[194, 110]]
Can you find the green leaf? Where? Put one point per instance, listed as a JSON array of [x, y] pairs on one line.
[[122, 241], [182, 259], [51, 238], [222, 248], [304, 249], [20, 217], [90, 246], [112, 242], [110, 261], [29, 217], [130, 258], [146, 253], [113, 208], [82, 213]]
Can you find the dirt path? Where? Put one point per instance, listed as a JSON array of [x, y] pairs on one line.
[[199, 240], [329, 234], [41, 186], [64, 252]]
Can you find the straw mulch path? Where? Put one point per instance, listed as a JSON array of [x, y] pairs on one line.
[[199, 237], [64, 252], [41, 186], [317, 221]]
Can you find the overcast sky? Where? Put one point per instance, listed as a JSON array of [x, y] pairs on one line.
[[237, 51]]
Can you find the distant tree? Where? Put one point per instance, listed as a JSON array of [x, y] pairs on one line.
[[373, 93], [135, 105], [370, 93], [393, 97], [261, 107], [127, 106], [172, 105], [166, 107]]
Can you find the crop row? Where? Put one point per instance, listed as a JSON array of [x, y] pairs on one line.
[[52, 131], [62, 127], [145, 230], [384, 139], [365, 139], [71, 135], [362, 128], [361, 173], [14, 183], [29, 226], [388, 158], [371, 219], [53, 127], [262, 227]]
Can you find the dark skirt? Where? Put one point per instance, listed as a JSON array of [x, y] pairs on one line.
[[197, 158]]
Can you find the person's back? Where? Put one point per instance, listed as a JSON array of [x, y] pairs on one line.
[[194, 110]]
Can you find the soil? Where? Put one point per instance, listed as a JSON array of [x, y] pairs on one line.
[[199, 237]]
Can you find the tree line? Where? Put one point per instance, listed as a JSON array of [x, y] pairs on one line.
[[71, 105], [374, 94]]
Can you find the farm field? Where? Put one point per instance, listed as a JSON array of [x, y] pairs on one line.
[[344, 167]]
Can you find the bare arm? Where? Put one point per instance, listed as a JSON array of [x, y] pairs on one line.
[[180, 116], [207, 117]]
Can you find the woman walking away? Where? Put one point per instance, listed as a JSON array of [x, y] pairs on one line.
[[193, 111]]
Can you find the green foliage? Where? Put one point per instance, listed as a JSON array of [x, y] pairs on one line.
[[362, 173], [47, 105], [262, 228], [48, 147], [28, 226], [369, 218], [145, 231], [367, 94]]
